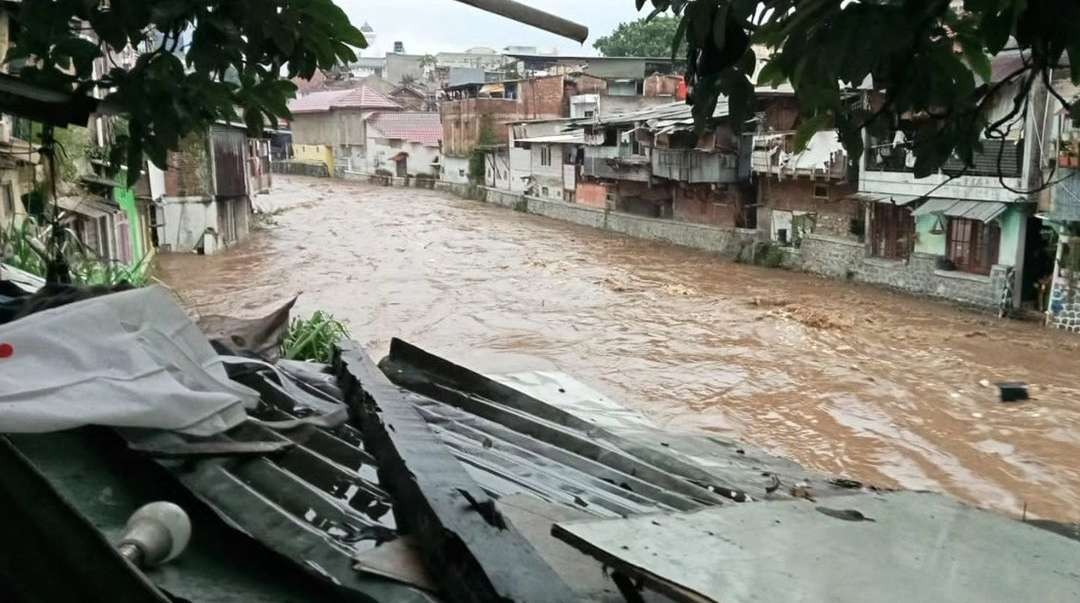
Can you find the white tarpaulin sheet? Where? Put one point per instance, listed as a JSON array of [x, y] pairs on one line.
[[131, 359]]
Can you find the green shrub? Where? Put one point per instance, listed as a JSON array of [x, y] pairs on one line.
[[770, 256], [313, 339], [25, 246]]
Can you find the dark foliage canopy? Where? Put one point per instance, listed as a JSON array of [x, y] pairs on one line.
[[204, 60], [929, 58], [641, 38]]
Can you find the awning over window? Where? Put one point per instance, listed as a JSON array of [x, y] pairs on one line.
[[882, 198], [86, 206], [983, 211], [400, 156]]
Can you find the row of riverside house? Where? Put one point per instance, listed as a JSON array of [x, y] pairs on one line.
[[200, 201], [984, 235]]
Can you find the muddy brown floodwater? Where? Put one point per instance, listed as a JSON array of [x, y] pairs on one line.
[[842, 378]]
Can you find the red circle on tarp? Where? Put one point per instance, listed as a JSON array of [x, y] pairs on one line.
[[6, 350]]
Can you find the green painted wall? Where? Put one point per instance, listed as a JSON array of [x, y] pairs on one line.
[[925, 241], [1012, 224], [125, 198]]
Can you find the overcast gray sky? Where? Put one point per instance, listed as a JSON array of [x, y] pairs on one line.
[[433, 25]]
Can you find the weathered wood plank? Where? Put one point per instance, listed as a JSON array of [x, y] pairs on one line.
[[473, 554]]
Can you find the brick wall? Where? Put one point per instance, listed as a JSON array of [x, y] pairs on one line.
[[781, 114], [699, 204], [592, 194], [463, 119], [188, 173], [585, 84], [661, 85], [834, 214], [543, 98]]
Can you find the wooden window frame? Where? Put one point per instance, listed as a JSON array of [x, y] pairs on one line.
[[971, 245], [891, 232], [9, 199]]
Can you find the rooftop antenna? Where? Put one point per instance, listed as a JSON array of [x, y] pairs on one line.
[[530, 16]]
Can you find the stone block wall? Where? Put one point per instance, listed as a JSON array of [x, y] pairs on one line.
[[830, 256], [1064, 310], [840, 258]]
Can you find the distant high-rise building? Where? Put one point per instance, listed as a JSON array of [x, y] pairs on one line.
[[399, 47]]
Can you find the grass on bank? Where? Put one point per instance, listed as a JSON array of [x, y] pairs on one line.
[[25, 246]]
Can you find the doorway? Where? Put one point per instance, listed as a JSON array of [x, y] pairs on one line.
[[1040, 249]]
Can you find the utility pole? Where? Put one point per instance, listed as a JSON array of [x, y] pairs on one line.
[[530, 16]]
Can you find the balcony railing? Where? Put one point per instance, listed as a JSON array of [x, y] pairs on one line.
[[690, 165], [998, 157], [824, 156], [608, 162]]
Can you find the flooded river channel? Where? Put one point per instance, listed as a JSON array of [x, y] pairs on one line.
[[842, 378]]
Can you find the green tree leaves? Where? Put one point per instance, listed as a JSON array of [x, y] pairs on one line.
[[642, 38], [924, 61], [200, 61]]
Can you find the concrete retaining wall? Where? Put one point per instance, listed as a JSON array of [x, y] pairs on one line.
[[726, 241], [300, 168], [570, 212], [829, 256], [383, 180], [461, 189]]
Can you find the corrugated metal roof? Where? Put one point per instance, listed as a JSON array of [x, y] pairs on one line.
[[463, 76], [421, 127], [363, 97], [900, 200], [90, 207], [934, 206], [984, 211], [660, 119], [575, 138]]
